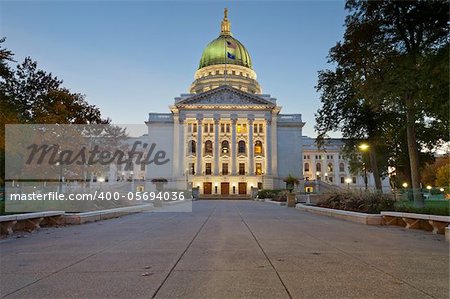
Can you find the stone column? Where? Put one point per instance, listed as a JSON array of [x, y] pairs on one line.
[[176, 162], [251, 153], [274, 146], [268, 145], [233, 152], [199, 144], [182, 146], [216, 144]]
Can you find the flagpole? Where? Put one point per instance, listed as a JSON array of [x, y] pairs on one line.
[[225, 73]]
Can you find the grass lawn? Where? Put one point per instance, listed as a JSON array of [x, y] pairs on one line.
[[435, 207]]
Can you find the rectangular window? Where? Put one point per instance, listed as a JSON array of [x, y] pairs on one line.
[[205, 128], [260, 128], [258, 168], [239, 128], [211, 128], [354, 180], [222, 128], [241, 168], [208, 169], [142, 166], [233, 72], [228, 128], [224, 168], [342, 180], [191, 168], [189, 128], [255, 128], [194, 129]]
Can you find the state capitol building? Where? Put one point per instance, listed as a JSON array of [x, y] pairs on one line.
[[226, 138]]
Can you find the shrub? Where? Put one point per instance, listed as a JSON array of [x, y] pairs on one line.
[[266, 193], [364, 202]]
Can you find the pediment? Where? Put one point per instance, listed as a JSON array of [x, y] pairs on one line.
[[224, 96]]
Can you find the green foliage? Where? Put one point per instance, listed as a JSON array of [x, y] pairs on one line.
[[432, 207], [391, 82], [267, 193], [372, 203], [443, 176]]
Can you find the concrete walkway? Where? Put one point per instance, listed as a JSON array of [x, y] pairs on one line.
[[225, 249]]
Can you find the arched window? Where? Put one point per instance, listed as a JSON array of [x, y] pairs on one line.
[[341, 167], [318, 167], [258, 148], [330, 167], [241, 147], [191, 147], [306, 167], [208, 147], [225, 147]]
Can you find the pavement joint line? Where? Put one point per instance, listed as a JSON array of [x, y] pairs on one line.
[[366, 263], [68, 266], [265, 254], [183, 253]]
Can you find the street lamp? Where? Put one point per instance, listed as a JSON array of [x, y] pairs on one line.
[[101, 180], [364, 147], [405, 185], [326, 177], [348, 181]]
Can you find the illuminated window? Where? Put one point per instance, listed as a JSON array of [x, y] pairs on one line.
[[225, 147], [258, 148], [258, 168], [330, 167]]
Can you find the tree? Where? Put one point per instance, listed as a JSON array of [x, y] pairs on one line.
[[394, 60], [443, 176]]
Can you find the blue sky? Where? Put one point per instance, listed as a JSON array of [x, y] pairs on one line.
[[134, 57]]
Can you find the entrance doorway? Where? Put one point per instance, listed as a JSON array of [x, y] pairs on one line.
[[242, 188], [207, 188], [225, 188]]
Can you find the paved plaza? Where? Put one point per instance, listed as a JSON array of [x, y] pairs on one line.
[[225, 249]]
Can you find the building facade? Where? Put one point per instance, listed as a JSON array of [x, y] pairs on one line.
[[227, 137], [328, 165]]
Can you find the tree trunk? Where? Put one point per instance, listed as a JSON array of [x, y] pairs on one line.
[[413, 151], [374, 166]]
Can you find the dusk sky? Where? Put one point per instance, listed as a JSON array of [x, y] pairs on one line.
[[133, 57]]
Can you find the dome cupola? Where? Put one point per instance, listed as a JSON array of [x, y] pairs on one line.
[[225, 61]]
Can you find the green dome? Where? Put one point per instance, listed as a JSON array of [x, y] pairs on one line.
[[216, 52]]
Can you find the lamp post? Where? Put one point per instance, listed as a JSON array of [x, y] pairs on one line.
[[348, 181], [317, 181], [326, 177], [132, 181], [364, 147], [187, 178]]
